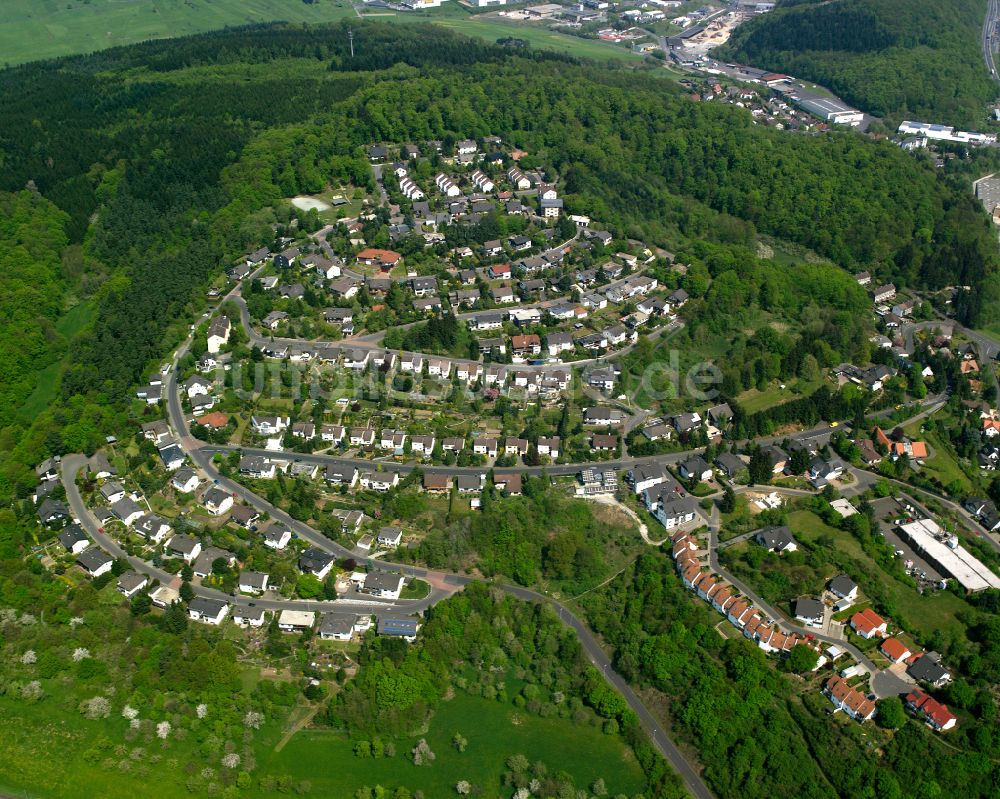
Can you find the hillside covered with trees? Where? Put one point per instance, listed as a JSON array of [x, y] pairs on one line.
[[893, 59]]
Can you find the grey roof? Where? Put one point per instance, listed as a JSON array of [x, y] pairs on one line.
[[314, 559], [382, 581], [730, 463], [254, 579], [92, 559], [206, 607], [928, 669], [808, 608], [125, 507], [131, 580], [775, 537], [336, 624], [72, 535], [842, 585], [182, 543], [52, 509]]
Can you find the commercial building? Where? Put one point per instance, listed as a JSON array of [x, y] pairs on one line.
[[944, 133], [830, 110], [942, 550]]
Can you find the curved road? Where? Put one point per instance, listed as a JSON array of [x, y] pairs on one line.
[[453, 582]]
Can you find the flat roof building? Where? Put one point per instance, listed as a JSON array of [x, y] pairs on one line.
[[942, 550]]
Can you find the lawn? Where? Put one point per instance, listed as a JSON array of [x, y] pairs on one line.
[[492, 29], [942, 464], [63, 773], [494, 731], [47, 383], [753, 400]]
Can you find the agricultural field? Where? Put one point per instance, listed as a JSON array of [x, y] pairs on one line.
[[35, 29], [38, 29]]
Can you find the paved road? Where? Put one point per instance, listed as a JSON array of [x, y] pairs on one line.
[[776, 615], [989, 35], [356, 603]]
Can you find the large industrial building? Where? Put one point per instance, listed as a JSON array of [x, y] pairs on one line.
[[942, 550], [945, 133], [830, 110]]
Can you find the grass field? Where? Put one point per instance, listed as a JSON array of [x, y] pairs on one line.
[[47, 384], [63, 773], [753, 400], [942, 464], [494, 731], [37, 29]]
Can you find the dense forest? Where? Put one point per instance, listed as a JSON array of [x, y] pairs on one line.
[[888, 57]]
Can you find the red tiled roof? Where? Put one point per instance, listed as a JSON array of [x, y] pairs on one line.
[[894, 649], [216, 419]]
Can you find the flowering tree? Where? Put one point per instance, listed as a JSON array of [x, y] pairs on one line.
[[29, 657], [163, 730]]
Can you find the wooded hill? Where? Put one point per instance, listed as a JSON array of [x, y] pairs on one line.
[[915, 59], [159, 163]]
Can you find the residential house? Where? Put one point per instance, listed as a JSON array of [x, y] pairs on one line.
[[74, 539], [218, 334], [296, 621], [389, 537], [251, 582], [208, 611], [217, 501], [248, 617], [185, 481], [937, 715], [809, 611], [152, 527], [843, 587], [485, 446], [927, 668], [868, 624], [277, 536], [436, 483], [383, 584], [601, 416], [895, 650], [696, 467], [854, 703], [379, 481], [127, 511], [95, 561], [404, 628], [316, 562], [336, 626], [131, 583], [268, 425], [183, 547], [776, 539], [257, 466]]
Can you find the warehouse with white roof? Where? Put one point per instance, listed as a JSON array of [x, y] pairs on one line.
[[942, 550]]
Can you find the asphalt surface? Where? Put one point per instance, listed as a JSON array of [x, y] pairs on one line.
[[989, 34]]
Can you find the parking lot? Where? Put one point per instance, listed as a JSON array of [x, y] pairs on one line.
[[921, 571]]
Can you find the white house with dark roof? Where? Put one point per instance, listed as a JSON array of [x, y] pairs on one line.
[[252, 582], [208, 611]]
